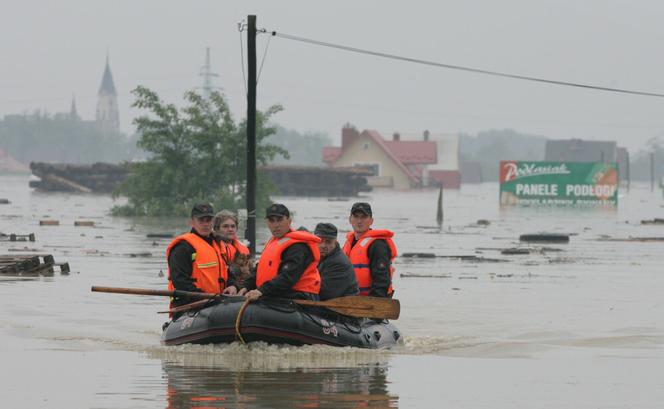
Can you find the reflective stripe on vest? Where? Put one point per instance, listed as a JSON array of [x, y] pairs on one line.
[[359, 256], [268, 264], [208, 269]]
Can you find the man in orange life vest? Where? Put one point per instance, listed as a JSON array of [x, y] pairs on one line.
[[371, 252], [225, 225], [195, 261], [288, 265]]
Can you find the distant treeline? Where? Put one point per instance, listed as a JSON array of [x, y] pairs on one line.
[[640, 162], [304, 149], [488, 148], [42, 137], [62, 138]]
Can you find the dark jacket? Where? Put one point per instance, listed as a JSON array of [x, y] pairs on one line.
[[180, 268], [337, 276], [380, 262], [294, 260]]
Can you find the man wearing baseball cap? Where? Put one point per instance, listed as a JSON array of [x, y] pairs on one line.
[[336, 272], [196, 262], [288, 264], [371, 252]]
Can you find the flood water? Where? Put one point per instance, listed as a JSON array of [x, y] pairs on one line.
[[578, 325]]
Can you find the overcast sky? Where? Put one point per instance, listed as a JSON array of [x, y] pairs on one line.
[[53, 50]]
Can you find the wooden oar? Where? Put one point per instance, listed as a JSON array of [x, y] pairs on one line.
[[145, 291], [196, 305], [352, 305], [360, 306]]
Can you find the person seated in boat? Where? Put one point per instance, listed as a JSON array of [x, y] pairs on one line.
[[287, 267], [225, 225], [336, 271], [371, 252], [196, 262]]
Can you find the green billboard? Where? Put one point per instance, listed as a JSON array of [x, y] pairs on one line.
[[558, 183]]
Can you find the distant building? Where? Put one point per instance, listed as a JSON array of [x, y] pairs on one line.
[[578, 150], [446, 171], [393, 163], [108, 115]]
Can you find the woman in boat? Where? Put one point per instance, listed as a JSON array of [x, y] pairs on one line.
[[225, 231]]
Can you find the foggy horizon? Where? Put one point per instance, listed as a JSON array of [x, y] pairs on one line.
[[53, 52]]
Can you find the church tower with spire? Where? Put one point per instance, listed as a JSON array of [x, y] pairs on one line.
[[108, 116]]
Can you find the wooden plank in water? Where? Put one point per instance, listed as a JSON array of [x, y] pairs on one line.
[[84, 223], [49, 222]]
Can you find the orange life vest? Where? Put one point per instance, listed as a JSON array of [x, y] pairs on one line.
[[235, 247], [268, 264], [209, 270], [359, 256]]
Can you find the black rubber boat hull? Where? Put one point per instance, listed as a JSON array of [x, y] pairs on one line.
[[278, 322]]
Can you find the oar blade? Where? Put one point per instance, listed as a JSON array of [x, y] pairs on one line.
[[361, 306]]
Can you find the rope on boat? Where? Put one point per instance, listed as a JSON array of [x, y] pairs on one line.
[[238, 320]]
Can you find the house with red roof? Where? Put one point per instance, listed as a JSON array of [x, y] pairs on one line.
[[395, 163]]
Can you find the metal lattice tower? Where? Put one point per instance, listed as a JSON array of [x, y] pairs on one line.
[[207, 74]]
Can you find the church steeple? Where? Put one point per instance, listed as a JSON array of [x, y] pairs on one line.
[[107, 84], [108, 116], [73, 113]]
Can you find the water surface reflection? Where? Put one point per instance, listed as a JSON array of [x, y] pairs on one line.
[[215, 387]]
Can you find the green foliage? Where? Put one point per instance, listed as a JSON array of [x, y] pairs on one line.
[[198, 154], [41, 137]]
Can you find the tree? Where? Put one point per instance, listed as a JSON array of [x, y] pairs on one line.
[[42, 137], [197, 154]]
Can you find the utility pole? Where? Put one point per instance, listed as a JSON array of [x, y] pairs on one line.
[[251, 134]]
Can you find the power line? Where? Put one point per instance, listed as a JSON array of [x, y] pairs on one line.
[[459, 67]]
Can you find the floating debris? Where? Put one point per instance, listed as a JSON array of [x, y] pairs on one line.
[[641, 239], [561, 260], [545, 238], [22, 249], [160, 235], [483, 222], [515, 251], [84, 223], [653, 221], [49, 222], [457, 257], [4, 201], [17, 237], [418, 255], [34, 264], [477, 259], [417, 275]]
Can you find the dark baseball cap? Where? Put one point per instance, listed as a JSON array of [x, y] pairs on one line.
[[361, 207], [277, 209], [327, 230], [202, 210]]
